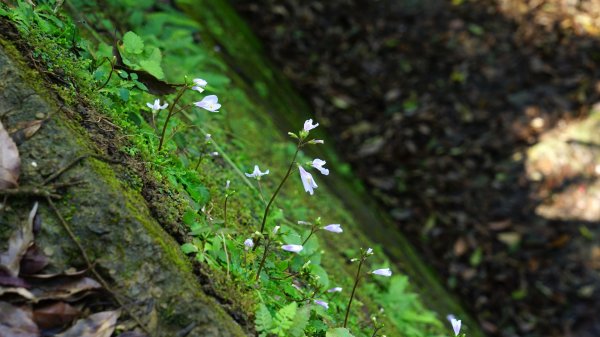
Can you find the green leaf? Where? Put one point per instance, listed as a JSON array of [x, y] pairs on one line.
[[133, 43], [263, 321], [338, 332], [300, 322], [152, 64], [188, 248], [284, 319]]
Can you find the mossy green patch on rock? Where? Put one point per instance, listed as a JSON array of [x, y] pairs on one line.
[[112, 222]]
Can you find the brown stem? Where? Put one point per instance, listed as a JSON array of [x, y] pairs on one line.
[[289, 171], [112, 69], [262, 261], [353, 290], [312, 231], [169, 115]]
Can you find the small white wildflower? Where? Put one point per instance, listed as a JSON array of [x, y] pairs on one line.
[[300, 222], [369, 251], [335, 290], [256, 173], [456, 323], [382, 272], [210, 103], [248, 243], [200, 84], [34, 164], [307, 180], [208, 137], [292, 248], [334, 228], [156, 106], [276, 229], [227, 184], [308, 125], [322, 303], [318, 164], [316, 141]]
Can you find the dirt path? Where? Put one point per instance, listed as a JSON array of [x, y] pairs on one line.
[[438, 108]]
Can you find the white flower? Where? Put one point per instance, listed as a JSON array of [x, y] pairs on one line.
[[334, 228], [322, 303], [318, 164], [276, 229], [382, 272], [214, 154], [207, 137], [256, 173], [307, 181], [335, 290], [199, 84], [308, 125], [248, 243], [227, 184], [369, 251], [156, 106], [316, 141], [455, 324], [292, 248], [210, 103], [300, 222]]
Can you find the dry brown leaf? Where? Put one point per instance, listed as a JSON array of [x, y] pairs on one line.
[[10, 162], [25, 130], [62, 288], [18, 291], [100, 324], [15, 322], [55, 315], [18, 244]]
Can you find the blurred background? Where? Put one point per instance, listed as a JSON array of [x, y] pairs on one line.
[[476, 124]]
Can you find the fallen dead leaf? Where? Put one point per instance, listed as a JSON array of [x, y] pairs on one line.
[[101, 324], [10, 162], [25, 130], [62, 288], [15, 322], [55, 315], [18, 244]]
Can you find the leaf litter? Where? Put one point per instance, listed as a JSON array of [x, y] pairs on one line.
[[33, 304]]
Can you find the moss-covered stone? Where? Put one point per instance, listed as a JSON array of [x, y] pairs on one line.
[[112, 221]]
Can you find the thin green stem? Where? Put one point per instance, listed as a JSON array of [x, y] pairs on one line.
[[225, 211], [362, 259], [287, 175], [312, 231], [169, 115]]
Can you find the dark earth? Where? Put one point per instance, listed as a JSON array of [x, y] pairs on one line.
[[438, 105]]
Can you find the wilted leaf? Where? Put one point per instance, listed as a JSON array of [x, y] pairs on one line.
[[33, 261], [101, 324], [18, 291], [18, 244], [11, 281], [55, 315], [62, 288], [10, 162], [15, 322], [25, 130], [68, 272]]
